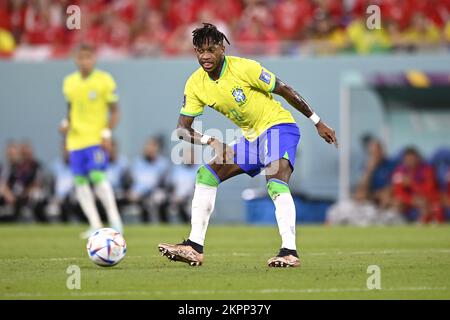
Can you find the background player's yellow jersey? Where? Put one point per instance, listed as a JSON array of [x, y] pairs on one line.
[[242, 93], [89, 101]]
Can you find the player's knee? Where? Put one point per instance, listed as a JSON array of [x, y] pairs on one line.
[[206, 177], [276, 187], [97, 176], [81, 180]]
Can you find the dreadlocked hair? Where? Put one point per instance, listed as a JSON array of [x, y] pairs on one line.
[[207, 33]]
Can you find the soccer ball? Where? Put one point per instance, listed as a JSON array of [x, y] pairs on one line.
[[106, 247]]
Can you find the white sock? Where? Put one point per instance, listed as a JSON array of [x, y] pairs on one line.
[[105, 193], [202, 207], [285, 214], [87, 203]]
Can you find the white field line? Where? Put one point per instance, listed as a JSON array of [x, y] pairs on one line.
[[213, 292], [253, 254]]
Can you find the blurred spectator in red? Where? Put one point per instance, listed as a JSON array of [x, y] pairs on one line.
[[291, 16], [179, 41], [43, 22], [446, 195], [4, 15], [415, 188], [15, 22], [150, 39], [182, 12], [116, 31], [260, 26], [226, 11], [255, 34], [435, 10], [333, 9]]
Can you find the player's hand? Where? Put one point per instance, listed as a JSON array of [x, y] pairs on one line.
[[107, 144], [224, 153], [327, 133], [63, 127], [107, 140]]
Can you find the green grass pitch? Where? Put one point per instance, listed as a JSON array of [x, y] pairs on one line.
[[414, 263]]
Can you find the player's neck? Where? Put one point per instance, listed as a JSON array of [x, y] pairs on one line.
[[215, 74], [86, 74]]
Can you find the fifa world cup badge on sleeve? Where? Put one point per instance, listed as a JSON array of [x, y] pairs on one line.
[[265, 76]]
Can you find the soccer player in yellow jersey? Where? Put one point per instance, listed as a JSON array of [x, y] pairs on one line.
[[242, 90], [92, 114]]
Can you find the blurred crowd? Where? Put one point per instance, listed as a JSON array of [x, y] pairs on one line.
[[148, 188], [36, 29], [396, 190]]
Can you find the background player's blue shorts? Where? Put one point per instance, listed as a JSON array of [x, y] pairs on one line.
[[88, 159], [279, 141]]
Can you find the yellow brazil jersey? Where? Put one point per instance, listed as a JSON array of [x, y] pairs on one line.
[[89, 101], [242, 93]]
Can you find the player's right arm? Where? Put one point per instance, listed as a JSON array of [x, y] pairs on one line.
[[193, 107], [186, 132]]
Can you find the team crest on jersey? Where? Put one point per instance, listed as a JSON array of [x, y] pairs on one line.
[[265, 76], [92, 95], [239, 95]]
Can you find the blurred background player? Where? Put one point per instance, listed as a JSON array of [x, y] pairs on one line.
[[415, 188], [63, 202], [91, 97], [148, 174], [23, 184], [377, 175], [181, 183], [372, 198], [119, 175], [241, 89]]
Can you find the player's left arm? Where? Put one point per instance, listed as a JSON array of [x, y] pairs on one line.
[[114, 115], [300, 104], [112, 99]]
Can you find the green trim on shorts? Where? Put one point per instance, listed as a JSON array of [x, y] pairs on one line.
[[276, 187], [81, 180], [205, 177], [97, 176]]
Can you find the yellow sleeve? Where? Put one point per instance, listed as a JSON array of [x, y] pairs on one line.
[[259, 77], [110, 89], [192, 106]]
